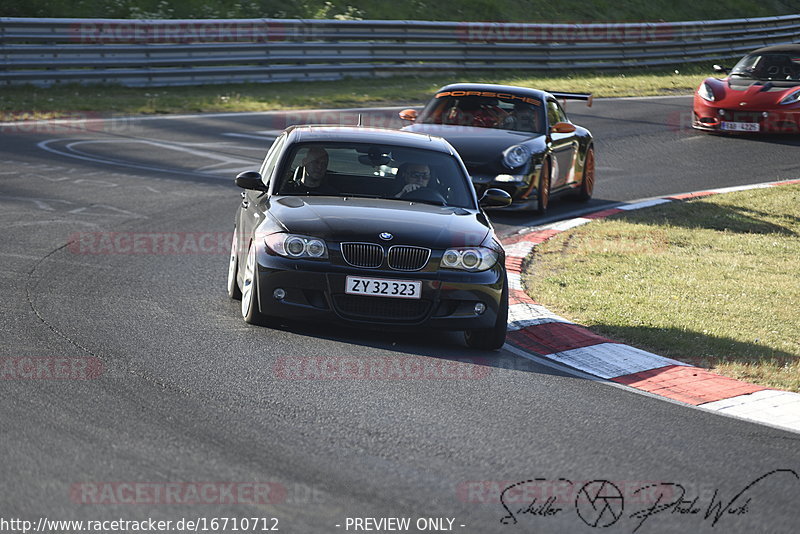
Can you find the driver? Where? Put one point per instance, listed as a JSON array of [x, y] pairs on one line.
[[414, 175], [312, 173], [523, 118], [480, 112]]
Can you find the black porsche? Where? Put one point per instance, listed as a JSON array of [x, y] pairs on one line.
[[371, 227], [512, 138]]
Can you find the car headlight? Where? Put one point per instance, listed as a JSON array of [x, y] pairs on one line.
[[296, 246], [791, 98], [516, 156], [705, 92], [469, 258]]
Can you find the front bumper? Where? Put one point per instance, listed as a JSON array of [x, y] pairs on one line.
[[709, 117], [523, 188], [315, 290]]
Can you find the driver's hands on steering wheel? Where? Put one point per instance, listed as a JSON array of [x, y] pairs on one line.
[[407, 189]]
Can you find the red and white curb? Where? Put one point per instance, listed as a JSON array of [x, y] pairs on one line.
[[536, 331]]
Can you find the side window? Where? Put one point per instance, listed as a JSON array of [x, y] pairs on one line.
[[272, 159], [552, 112], [562, 115]]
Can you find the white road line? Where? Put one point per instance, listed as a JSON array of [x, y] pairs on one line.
[[568, 224], [519, 250], [45, 145], [777, 408], [740, 188], [610, 360], [545, 362], [523, 315], [250, 136], [644, 204], [654, 97], [121, 118]]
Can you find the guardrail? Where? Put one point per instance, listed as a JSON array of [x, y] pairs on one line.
[[186, 52]]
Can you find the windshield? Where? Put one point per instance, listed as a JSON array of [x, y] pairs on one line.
[[374, 171], [482, 109], [768, 67]]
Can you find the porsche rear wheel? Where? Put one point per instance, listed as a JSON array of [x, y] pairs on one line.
[[587, 183], [543, 196]]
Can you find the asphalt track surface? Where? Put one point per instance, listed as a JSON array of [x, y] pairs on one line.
[[191, 394]]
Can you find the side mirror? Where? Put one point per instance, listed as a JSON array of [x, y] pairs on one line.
[[495, 198], [562, 128], [720, 69], [250, 180], [409, 115]]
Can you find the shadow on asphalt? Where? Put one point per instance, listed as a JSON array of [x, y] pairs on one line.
[[787, 139], [440, 345]]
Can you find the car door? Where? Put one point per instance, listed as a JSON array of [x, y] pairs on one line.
[[252, 208], [563, 146]]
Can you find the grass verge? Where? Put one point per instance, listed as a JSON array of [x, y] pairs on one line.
[[27, 102], [714, 282], [475, 10]]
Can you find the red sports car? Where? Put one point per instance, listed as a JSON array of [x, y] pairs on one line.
[[760, 94]]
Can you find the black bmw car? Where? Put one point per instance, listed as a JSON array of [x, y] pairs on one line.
[[370, 227], [512, 138]]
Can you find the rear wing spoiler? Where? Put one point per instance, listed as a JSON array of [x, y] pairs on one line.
[[574, 96]]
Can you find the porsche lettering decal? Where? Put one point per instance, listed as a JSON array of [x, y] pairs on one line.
[[490, 94]]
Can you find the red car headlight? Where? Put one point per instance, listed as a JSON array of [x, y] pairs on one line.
[[705, 92], [791, 98]]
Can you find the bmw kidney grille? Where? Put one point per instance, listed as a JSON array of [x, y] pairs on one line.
[[399, 257]]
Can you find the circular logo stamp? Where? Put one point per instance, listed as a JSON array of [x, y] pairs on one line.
[[599, 503]]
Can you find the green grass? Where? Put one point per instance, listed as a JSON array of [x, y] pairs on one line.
[[17, 103], [714, 282]]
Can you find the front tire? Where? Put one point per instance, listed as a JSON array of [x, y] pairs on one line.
[[250, 311], [234, 291], [587, 183], [491, 338], [543, 196]]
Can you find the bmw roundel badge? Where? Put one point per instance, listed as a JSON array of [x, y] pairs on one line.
[[386, 236]]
